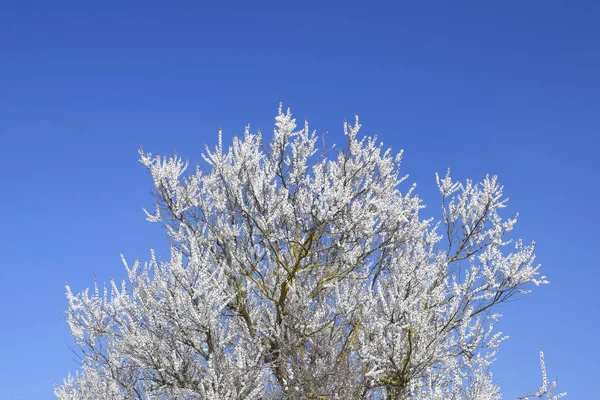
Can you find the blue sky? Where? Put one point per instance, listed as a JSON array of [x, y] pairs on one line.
[[508, 88]]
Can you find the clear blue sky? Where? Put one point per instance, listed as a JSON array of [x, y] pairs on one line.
[[509, 88]]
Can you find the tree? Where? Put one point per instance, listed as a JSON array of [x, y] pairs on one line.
[[299, 273]]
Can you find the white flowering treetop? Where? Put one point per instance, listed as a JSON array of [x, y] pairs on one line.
[[298, 273]]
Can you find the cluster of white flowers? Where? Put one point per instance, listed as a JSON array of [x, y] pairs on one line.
[[296, 274]]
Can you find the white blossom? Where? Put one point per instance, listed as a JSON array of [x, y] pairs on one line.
[[300, 273]]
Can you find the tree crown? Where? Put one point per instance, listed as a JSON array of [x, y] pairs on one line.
[[304, 274]]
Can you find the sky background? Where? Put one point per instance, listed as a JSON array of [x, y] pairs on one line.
[[508, 88]]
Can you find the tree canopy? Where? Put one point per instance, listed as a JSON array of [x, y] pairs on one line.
[[305, 272]]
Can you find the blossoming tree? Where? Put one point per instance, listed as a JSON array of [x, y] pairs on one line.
[[308, 274]]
